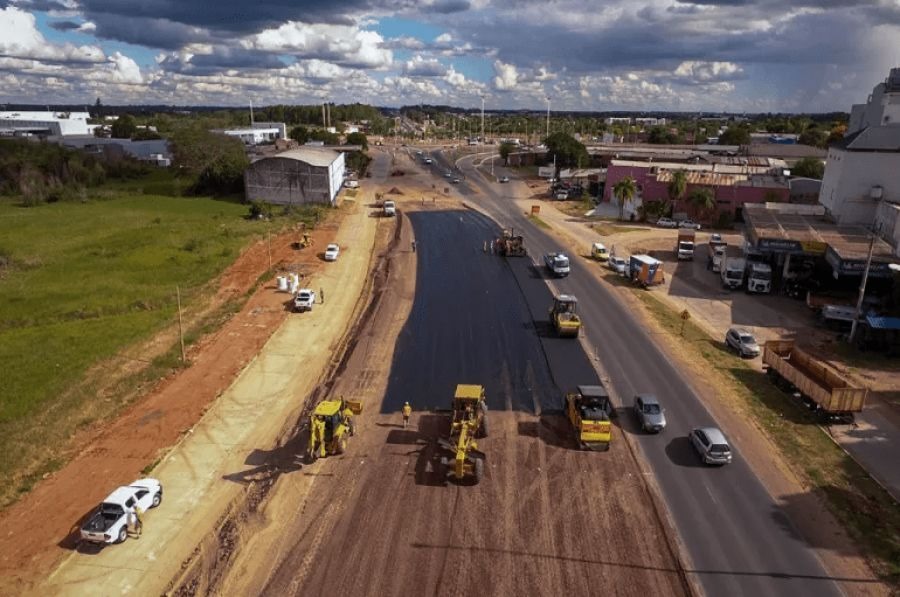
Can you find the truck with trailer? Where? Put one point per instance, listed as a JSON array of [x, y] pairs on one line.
[[817, 385], [684, 246], [759, 277], [732, 273], [645, 270]]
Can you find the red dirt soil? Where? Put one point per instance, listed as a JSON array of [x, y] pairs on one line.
[[36, 531]]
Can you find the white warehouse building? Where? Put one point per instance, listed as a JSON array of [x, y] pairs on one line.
[[296, 177], [44, 124], [861, 185]]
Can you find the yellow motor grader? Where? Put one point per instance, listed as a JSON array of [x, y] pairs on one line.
[[469, 421]]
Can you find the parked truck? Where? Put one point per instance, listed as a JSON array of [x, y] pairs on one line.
[[684, 246], [557, 264], [733, 273], [817, 385], [645, 270], [759, 277], [719, 254]]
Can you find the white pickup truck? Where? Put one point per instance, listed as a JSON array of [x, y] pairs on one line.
[[109, 522], [390, 208], [304, 300], [557, 264]]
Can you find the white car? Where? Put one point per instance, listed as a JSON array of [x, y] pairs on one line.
[[109, 522], [689, 224], [331, 252], [504, 179], [618, 265], [448, 174], [455, 181], [304, 300], [666, 223]]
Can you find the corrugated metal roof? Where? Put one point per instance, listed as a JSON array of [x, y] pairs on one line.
[[883, 323], [877, 138], [314, 156]]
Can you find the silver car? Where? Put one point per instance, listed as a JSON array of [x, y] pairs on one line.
[[711, 444], [650, 414], [742, 342]]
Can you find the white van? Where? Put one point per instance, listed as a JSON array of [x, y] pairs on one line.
[[390, 208]]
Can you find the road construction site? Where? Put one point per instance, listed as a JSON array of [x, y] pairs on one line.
[[251, 514]]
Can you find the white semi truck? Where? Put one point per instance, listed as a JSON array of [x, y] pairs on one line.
[[733, 273], [759, 277]]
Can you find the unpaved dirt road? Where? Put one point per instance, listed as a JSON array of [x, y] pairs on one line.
[[382, 520]]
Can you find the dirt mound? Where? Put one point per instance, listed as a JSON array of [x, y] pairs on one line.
[[395, 191]]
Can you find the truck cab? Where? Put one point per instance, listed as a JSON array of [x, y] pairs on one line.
[[557, 264], [732, 273], [759, 277], [718, 257], [390, 208]]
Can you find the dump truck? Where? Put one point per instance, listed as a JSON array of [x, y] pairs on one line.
[[684, 246], [589, 409], [563, 316], [468, 422], [820, 387], [330, 426], [509, 244], [645, 270]]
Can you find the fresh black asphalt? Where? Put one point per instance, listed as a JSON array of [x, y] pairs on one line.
[[481, 319], [739, 540]]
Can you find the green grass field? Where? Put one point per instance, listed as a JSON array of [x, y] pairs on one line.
[[81, 281]]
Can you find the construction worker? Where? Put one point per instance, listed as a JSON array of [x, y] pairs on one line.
[[348, 419], [413, 246], [322, 294], [485, 248], [492, 247], [139, 526], [407, 411]]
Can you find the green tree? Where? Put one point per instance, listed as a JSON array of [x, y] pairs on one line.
[[624, 191], [325, 137], [677, 188], [814, 137], [123, 127], [566, 150], [703, 200], [300, 134], [736, 134], [358, 139], [505, 150], [217, 162], [809, 168]]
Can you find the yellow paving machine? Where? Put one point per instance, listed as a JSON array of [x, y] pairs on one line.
[[563, 318], [589, 409], [469, 421], [330, 426]]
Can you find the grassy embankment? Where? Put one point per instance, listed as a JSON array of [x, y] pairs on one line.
[[867, 511], [80, 283]]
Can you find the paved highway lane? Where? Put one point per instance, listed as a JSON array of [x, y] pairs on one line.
[[470, 323], [738, 539]]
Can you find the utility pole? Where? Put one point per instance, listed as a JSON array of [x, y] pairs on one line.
[[251, 113], [482, 120], [548, 116]]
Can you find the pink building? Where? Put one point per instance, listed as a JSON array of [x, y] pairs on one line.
[[732, 185]]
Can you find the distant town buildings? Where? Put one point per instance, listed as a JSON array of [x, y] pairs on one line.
[[44, 124], [258, 132]]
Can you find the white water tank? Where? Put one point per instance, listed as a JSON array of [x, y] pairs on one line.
[[282, 283]]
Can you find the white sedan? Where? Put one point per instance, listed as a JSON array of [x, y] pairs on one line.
[[689, 224], [331, 252], [666, 223], [109, 522], [617, 264]]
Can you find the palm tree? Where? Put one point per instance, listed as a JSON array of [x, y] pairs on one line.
[[624, 190], [703, 199], [677, 188]]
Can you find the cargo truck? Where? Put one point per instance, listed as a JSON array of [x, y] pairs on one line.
[[684, 246], [733, 273], [819, 387], [645, 270], [557, 264], [759, 277]]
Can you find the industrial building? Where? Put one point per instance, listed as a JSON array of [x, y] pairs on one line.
[[258, 132], [44, 124], [296, 177]]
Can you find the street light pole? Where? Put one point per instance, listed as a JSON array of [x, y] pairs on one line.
[[548, 116], [482, 120]]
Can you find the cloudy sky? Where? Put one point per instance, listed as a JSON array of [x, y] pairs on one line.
[[734, 55]]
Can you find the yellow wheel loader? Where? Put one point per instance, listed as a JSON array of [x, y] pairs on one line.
[[469, 420], [565, 321], [330, 426]]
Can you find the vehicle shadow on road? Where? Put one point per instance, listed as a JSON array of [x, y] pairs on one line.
[[551, 428], [269, 464], [774, 398], [681, 453], [429, 469]]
